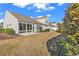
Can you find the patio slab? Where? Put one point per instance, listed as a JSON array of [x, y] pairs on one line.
[[27, 34]]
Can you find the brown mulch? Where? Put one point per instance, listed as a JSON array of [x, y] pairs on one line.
[[4, 36]]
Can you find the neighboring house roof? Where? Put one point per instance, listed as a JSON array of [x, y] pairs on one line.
[[41, 17], [53, 24], [22, 18]]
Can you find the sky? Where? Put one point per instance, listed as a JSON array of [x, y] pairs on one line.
[[54, 11]]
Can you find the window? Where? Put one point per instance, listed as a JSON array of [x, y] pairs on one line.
[[33, 28], [9, 24], [29, 26], [37, 27], [46, 21], [22, 27]]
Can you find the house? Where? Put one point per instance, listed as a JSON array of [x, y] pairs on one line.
[[53, 26], [23, 24], [43, 20]]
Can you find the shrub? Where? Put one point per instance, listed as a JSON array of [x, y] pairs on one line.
[[42, 30], [1, 30], [7, 31], [47, 30], [71, 30]]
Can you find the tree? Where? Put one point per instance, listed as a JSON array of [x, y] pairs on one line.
[[71, 30], [60, 27], [71, 20]]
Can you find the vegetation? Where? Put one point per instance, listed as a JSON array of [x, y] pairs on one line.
[[46, 30], [1, 25], [60, 27], [71, 25], [7, 31], [26, 45]]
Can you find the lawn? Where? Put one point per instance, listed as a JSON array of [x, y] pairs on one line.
[[27, 45]]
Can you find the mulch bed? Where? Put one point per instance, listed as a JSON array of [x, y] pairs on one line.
[[6, 36]]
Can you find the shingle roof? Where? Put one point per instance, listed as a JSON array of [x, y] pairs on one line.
[[22, 18], [50, 24], [42, 17]]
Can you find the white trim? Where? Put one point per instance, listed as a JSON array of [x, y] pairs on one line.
[[29, 30]]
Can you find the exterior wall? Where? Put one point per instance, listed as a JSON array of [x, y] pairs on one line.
[[51, 28], [55, 24], [19, 26], [10, 22], [43, 20], [28, 30], [43, 27], [35, 28], [54, 28]]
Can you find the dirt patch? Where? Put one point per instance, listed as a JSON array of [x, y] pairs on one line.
[[4, 36], [32, 45]]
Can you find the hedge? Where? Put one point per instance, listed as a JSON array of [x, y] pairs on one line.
[[46, 30], [7, 31]]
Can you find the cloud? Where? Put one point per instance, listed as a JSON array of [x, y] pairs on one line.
[[1, 20], [60, 4], [40, 5], [48, 15], [31, 16], [39, 16], [38, 10], [22, 5], [51, 7], [43, 6]]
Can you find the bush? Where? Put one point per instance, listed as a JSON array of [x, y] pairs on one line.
[[7, 31], [47, 30], [42, 30]]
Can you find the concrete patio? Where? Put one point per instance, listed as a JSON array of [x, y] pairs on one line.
[[27, 34]]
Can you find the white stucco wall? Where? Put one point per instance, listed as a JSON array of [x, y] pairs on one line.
[[10, 22], [54, 28], [35, 27], [43, 20], [51, 28]]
